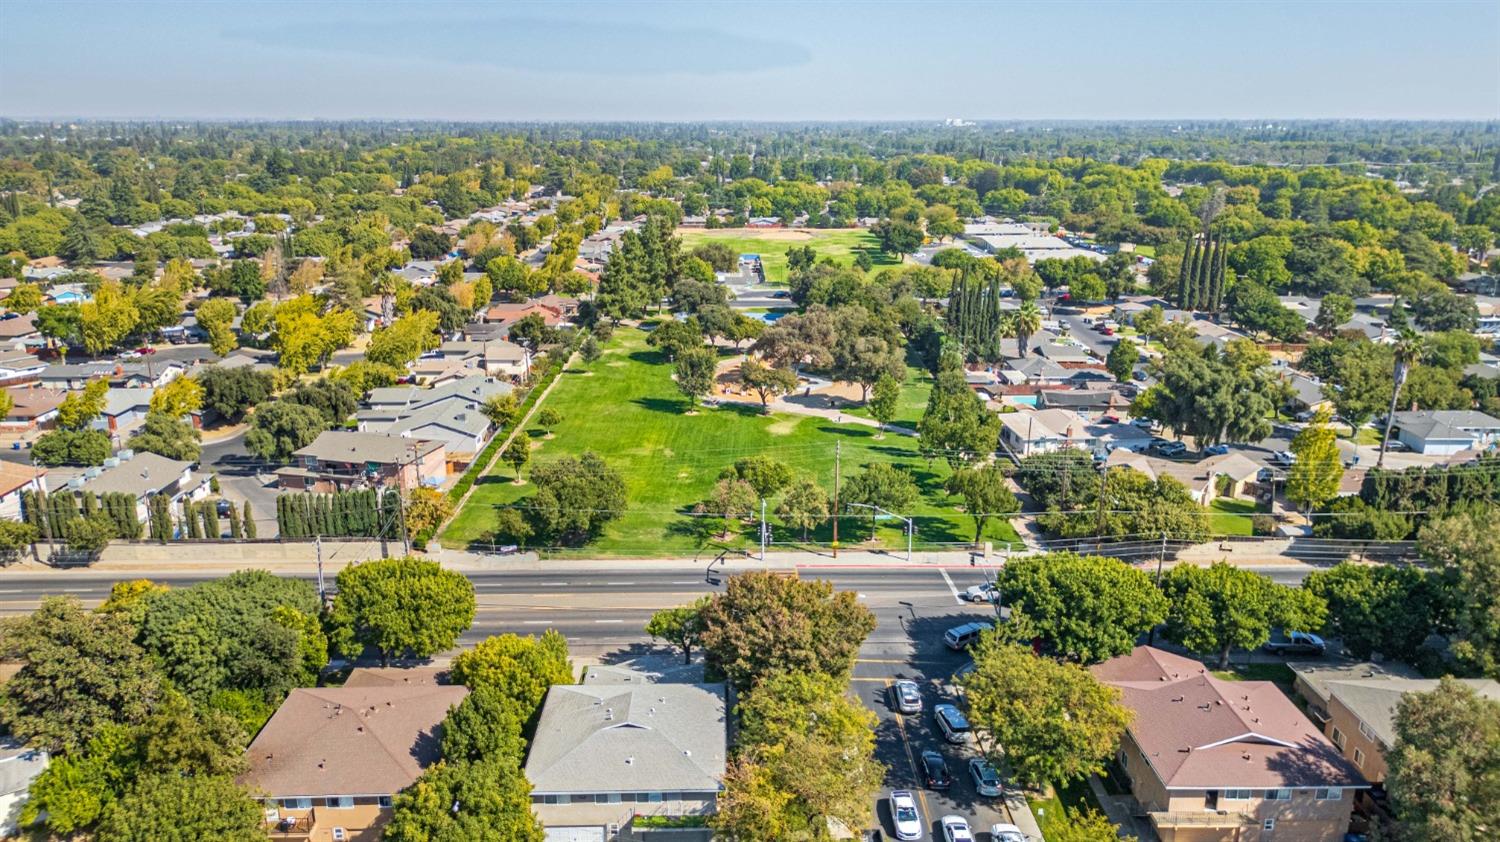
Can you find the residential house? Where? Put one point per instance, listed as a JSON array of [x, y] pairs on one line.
[[391, 402], [330, 759], [143, 476], [20, 765], [1211, 760], [1201, 479], [67, 294], [14, 479], [462, 430], [1065, 353], [32, 411], [1211, 333], [1356, 706], [18, 332], [72, 376], [17, 367], [1035, 371], [1307, 394], [1444, 432], [339, 459], [396, 677], [1044, 431], [510, 312], [1083, 400], [608, 750], [498, 358], [124, 410]]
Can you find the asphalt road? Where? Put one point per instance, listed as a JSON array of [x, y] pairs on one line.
[[240, 480]]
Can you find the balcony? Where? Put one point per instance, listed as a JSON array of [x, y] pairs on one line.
[[1206, 819]]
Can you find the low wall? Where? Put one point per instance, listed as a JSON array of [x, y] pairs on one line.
[[250, 553]]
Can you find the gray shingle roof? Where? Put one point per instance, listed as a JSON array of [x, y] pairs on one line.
[[629, 738], [349, 446], [1445, 423], [142, 474]]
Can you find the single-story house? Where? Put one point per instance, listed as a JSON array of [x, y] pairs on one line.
[[1082, 400], [1200, 478], [1444, 432], [19, 367], [331, 759], [73, 376], [32, 410], [608, 750], [463, 430], [391, 402], [498, 358], [508, 313], [1307, 394], [18, 332], [339, 459], [1044, 431], [1210, 759], [14, 479], [20, 765], [143, 475], [124, 410]]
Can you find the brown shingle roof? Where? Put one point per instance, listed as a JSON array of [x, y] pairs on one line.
[[396, 676], [349, 740], [1201, 732]]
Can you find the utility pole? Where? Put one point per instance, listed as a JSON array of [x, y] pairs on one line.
[[322, 590], [836, 458], [762, 530]]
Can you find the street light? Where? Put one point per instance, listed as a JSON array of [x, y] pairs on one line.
[[909, 527]]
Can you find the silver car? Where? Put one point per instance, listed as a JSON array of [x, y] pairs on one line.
[[986, 779], [906, 697]]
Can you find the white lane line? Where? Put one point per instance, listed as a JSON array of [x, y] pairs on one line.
[[554, 584], [609, 621], [535, 622], [952, 587], [688, 582], [619, 583], [14, 590], [79, 590]]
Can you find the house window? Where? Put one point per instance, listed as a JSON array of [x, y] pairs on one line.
[[1124, 760], [340, 835], [384, 801], [1359, 758], [1338, 737], [1332, 793], [1278, 795], [339, 802], [1237, 795], [296, 803], [1368, 732], [653, 798], [1268, 824]]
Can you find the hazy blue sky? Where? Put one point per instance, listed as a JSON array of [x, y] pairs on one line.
[[753, 61]]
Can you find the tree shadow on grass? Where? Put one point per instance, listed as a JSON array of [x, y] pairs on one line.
[[702, 531], [667, 405], [742, 409], [648, 357], [848, 432]]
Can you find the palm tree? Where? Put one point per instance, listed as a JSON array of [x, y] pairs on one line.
[[1407, 348], [1024, 323]]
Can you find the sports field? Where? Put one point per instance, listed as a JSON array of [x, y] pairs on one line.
[[626, 408], [771, 244]]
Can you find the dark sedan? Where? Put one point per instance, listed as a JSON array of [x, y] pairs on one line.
[[935, 771]]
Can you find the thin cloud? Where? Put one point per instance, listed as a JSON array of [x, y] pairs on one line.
[[547, 46]]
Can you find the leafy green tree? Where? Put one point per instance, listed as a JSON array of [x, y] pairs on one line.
[[753, 805], [1054, 719], [1380, 608], [1087, 608], [985, 494], [231, 392], [1085, 825], [81, 672], [885, 399], [1217, 609], [575, 497], [500, 409], [401, 607], [804, 507], [518, 453], [956, 424], [216, 317], [765, 475], [167, 436], [405, 339], [884, 485], [548, 418], [674, 336], [680, 626], [1444, 770], [1466, 547], [486, 725], [177, 808], [764, 623], [766, 381], [519, 668], [1212, 395], [731, 499], [1334, 310], [694, 373], [485, 801], [1408, 347], [72, 447], [282, 428], [1121, 359], [1314, 478]]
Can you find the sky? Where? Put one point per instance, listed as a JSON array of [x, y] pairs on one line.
[[760, 61]]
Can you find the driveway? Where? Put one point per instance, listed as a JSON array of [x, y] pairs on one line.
[[243, 477]]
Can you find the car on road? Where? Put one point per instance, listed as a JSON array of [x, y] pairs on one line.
[[935, 773], [959, 638], [1296, 643], [956, 829], [986, 592], [986, 779], [1006, 833], [904, 816], [952, 722], [906, 697], [1171, 448], [1216, 450]]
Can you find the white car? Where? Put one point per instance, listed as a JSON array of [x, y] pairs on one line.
[[905, 816], [1006, 833], [986, 592], [906, 696], [956, 829]]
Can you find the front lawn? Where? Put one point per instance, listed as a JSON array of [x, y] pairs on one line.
[[626, 408], [1278, 673], [1228, 516]]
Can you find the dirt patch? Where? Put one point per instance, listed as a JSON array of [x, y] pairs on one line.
[[785, 426]]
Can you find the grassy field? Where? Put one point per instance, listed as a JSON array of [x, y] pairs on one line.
[[1230, 517], [626, 408], [914, 391], [771, 244]]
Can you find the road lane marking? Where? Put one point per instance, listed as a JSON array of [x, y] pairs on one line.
[[619, 583], [552, 584], [609, 621], [952, 587], [687, 582]]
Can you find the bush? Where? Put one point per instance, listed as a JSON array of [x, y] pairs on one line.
[[1262, 524]]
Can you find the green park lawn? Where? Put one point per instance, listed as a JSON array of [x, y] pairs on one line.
[[1230, 517], [626, 408], [771, 244], [914, 391]]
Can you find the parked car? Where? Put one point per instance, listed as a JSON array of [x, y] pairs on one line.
[[935, 771], [1172, 448], [222, 507], [905, 817], [1006, 833], [1396, 446], [1107, 330], [1284, 457], [952, 722], [986, 779], [1143, 423], [906, 697], [1296, 643], [1216, 450], [956, 829], [986, 592], [1109, 419]]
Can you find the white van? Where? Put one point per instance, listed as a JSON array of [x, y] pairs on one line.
[[961, 637]]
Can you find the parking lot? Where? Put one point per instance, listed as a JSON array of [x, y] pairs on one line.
[[900, 739]]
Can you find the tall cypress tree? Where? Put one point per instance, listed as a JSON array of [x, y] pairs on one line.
[[1221, 269], [248, 520], [1185, 277]]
